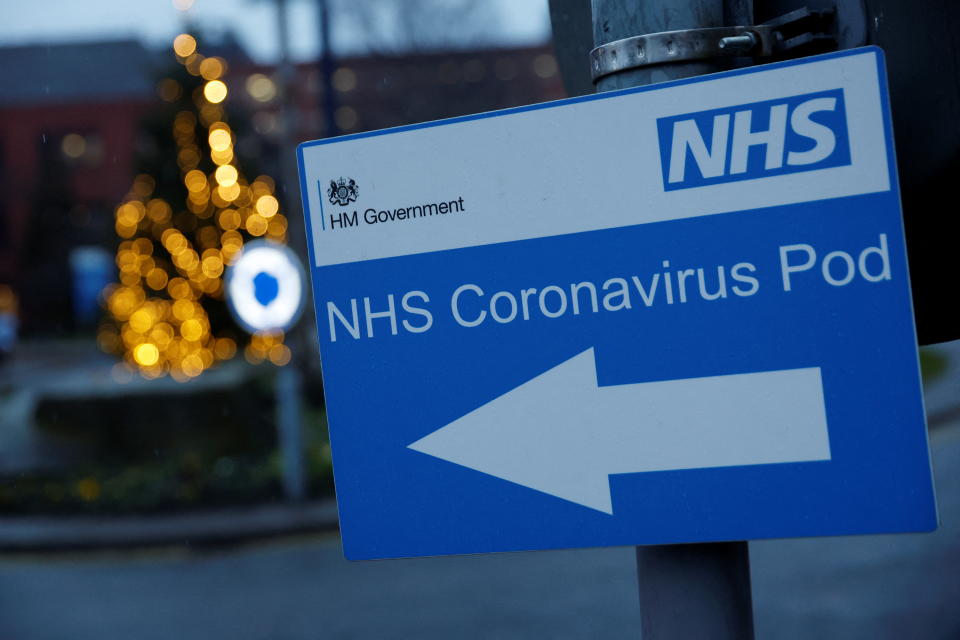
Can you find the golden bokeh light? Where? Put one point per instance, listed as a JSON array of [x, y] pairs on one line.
[[174, 242], [224, 348], [128, 261], [123, 301], [222, 157], [215, 91], [212, 266], [146, 354], [217, 200], [157, 279], [191, 330], [192, 64], [344, 80], [545, 65], [229, 193], [146, 264], [142, 320], [212, 69], [195, 181], [187, 260], [266, 183], [73, 145], [261, 88], [279, 354], [183, 309], [226, 175], [131, 280], [179, 289], [131, 212], [192, 365], [125, 230], [231, 239], [159, 211], [267, 206], [230, 252], [252, 355], [244, 198], [277, 226], [162, 335], [220, 139], [256, 224], [184, 45], [229, 219]]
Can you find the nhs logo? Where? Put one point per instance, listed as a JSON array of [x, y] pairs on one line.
[[755, 140]]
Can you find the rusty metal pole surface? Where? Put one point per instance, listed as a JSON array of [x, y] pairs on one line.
[[689, 590], [618, 19]]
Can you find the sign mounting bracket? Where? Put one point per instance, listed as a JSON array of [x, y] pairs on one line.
[[774, 37]]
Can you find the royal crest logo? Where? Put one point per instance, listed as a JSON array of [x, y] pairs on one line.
[[343, 192]]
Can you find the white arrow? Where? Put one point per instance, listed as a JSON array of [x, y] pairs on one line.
[[561, 434]]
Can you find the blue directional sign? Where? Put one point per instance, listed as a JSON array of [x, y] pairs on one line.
[[677, 313]]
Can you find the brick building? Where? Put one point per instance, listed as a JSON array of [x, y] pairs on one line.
[[70, 117]]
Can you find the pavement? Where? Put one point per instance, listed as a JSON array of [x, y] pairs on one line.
[[212, 526], [877, 587], [870, 587]]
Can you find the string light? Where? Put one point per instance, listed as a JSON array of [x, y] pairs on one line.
[[171, 259]]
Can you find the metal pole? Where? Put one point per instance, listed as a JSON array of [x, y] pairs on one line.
[[695, 591], [692, 590], [289, 428], [288, 379], [326, 71], [288, 119], [618, 19]]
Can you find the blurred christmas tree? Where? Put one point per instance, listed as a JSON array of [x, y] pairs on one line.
[[186, 217]]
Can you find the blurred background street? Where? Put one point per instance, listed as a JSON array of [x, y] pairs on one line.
[[165, 468], [140, 153]]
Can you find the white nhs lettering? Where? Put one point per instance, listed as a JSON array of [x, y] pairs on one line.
[[712, 160]]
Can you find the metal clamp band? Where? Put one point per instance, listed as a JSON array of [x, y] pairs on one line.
[[684, 45]]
